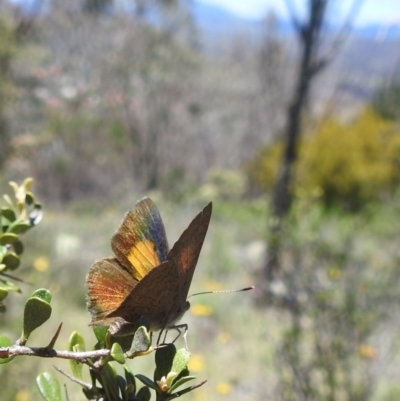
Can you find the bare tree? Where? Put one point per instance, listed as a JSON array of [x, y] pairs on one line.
[[313, 59]]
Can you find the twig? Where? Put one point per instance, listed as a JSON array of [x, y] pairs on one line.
[[73, 378], [44, 352]]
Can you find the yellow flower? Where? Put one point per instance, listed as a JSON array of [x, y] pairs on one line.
[[224, 388], [224, 337], [368, 352], [196, 363], [41, 264], [201, 310], [22, 395]]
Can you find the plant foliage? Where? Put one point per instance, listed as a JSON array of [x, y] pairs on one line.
[[348, 164]]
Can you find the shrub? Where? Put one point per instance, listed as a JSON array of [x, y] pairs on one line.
[[350, 164]]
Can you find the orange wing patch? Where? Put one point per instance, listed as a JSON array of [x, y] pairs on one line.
[[143, 257]]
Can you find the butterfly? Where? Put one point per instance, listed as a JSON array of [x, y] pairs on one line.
[[145, 283]]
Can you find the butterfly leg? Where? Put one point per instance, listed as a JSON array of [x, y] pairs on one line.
[[159, 337], [178, 328]]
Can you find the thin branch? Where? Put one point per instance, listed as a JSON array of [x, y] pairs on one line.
[[73, 378], [344, 30], [44, 352], [295, 21]]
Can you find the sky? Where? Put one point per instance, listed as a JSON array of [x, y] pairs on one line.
[[373, 11]]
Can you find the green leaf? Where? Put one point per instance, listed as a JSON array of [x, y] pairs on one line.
[[42, 293], [130, 391], [49, 387], [100, 333], [14, 186], [141, 340], [181, 359], [8, 213], [164, 358], [181, 382], [36, 312], [143, 394], [5, 342], [8, 200], [9, 285], [27, 184], [11, 260], [29, 198], [129, 377], [18, 247], [117, 353], [19, 227], [76, 343], [3, 293], [110, 382], [8, 238], [148, 382], [170, 378], [124, 341]]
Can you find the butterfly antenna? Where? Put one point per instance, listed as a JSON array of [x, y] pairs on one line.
[[222, 292]]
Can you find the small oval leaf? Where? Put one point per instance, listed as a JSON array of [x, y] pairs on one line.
[[8, 238], [49, 387], [18, 247], [29, 198], [42, 293], [76, 343], [36, 312], [181, 359], [20, 227], [143, 394], [141, 341], [8, 213], [117, 353], [11, 260]]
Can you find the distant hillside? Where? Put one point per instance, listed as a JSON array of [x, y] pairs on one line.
[[367, 60], [212, 19]]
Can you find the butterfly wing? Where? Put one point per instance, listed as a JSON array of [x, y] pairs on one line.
[[160, 297], [140, 243], [185, 253], [155, 298], [108, 284]]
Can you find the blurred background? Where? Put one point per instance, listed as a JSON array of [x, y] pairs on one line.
[[285, 114]]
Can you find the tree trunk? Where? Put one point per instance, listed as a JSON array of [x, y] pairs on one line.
[[309, 38]]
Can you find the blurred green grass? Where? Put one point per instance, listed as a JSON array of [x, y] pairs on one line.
[[233, 343]]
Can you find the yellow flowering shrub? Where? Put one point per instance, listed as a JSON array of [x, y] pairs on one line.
[[349, 163]]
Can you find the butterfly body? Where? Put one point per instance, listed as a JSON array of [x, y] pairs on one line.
[[145, 282]]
